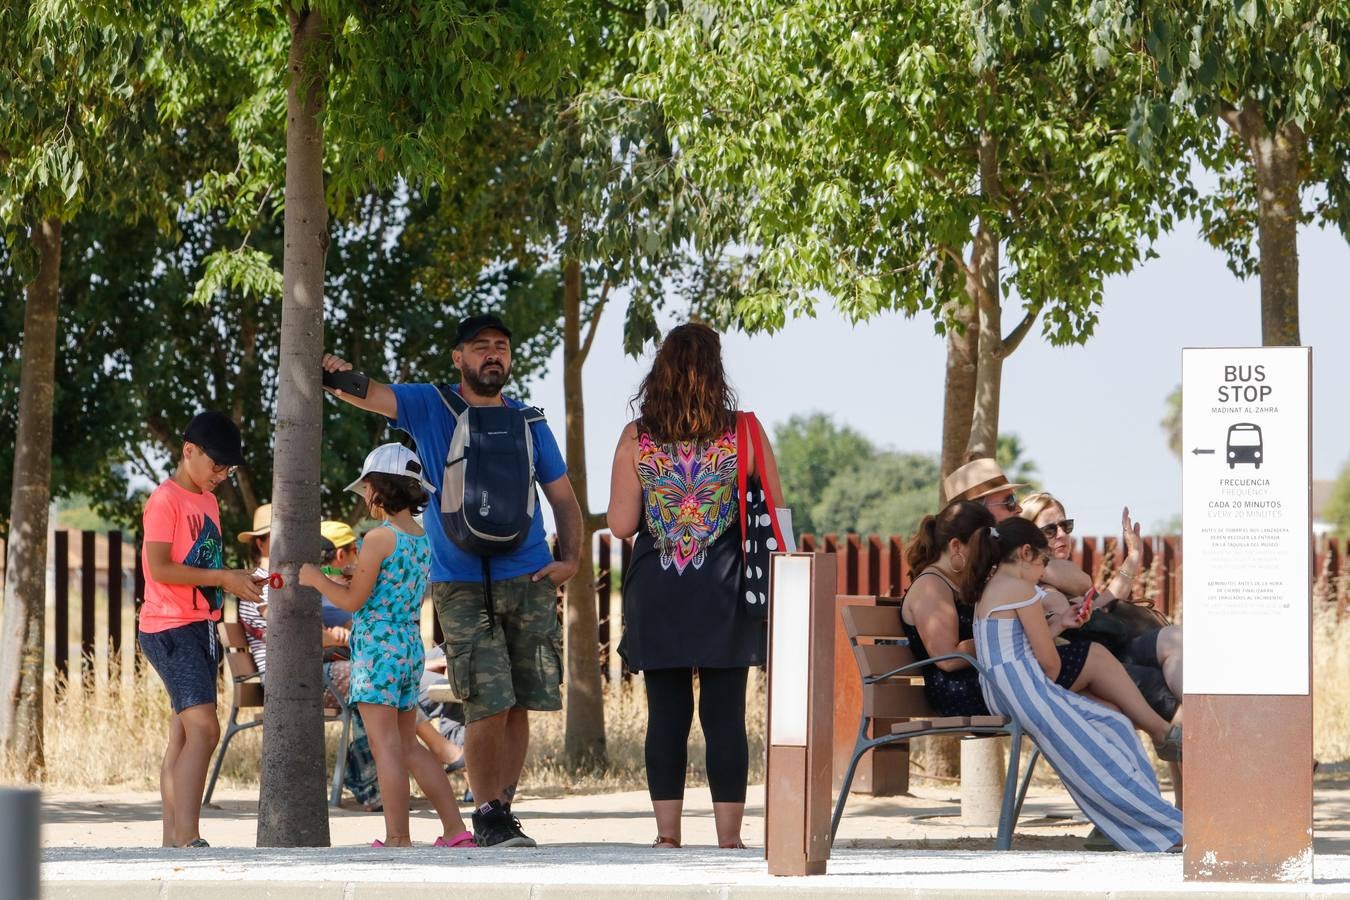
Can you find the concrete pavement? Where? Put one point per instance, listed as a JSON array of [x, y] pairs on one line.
[[595, 846]]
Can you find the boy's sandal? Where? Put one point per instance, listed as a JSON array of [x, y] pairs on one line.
[[737, 844], [1170, 748], [196, 844], [665, 843], [463, 839]]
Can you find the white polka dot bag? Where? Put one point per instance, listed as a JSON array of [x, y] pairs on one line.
[[761, 531]]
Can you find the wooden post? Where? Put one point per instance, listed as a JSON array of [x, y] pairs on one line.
[[61, 651], [88, 592], [801, 699], [114, 601]]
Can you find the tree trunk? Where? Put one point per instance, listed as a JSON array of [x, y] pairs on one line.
[[292, 801], [584, 729], [983, 290], [1276, 157], [30, 495], [958, 405]]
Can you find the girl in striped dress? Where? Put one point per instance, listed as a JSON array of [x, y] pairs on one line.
[[1092, 748]]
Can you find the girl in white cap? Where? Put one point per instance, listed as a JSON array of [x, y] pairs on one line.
[[385, 597]]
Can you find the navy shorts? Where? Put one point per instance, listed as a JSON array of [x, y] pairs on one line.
[[186, 658]]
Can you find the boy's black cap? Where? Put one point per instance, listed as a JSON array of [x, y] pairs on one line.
[[217, 434], [470, 327]]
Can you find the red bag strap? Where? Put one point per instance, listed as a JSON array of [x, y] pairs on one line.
[[746, 422], [741, 473]]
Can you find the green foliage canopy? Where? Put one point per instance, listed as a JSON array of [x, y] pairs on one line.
[[851, 133]]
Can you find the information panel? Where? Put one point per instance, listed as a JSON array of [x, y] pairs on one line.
[[1247, 529]]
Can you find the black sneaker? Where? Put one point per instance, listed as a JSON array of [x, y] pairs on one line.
[[515, 826], [493, 826]]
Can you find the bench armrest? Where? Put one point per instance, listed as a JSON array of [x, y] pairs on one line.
[[974, 664]]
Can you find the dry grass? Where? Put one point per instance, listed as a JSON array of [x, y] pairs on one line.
[[114, 736], [1331, 680]]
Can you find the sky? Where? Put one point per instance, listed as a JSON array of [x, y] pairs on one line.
[[1088, 416]]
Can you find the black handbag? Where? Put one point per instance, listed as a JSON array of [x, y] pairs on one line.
[[761, 533]]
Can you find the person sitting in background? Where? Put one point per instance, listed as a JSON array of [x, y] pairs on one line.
[[1146, 644], [338, 558], [938, 617], [1093, 749], [938, 610], [982, 481], [338, 544]]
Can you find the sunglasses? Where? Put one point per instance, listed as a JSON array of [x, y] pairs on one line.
[[1009, 503], [1049, 530]]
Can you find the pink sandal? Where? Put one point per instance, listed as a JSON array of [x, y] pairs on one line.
[[377, 843], [462, 840]]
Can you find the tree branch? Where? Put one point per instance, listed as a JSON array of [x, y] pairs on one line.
[[1014, 338], [1230, 114], [594, 323], [955, 256]]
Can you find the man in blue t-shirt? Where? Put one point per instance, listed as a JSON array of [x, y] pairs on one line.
[[506, 663]]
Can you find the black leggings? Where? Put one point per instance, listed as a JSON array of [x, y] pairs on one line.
[[721, 712]]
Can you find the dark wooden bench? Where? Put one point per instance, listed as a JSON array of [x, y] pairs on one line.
[[892, 688]]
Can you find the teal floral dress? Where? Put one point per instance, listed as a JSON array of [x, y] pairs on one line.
[[386, 640]]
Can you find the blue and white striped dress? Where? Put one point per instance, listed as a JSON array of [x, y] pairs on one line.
[[1094, 750]]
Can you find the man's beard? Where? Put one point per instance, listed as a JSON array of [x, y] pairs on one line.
[[486, 385]]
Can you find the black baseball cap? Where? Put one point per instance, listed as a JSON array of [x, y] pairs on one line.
[[217, 434], [469, 328]]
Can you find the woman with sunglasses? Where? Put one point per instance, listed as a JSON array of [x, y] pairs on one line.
[[1094, 750], [1151, 654]]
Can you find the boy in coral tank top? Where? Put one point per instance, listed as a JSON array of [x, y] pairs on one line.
[[185, 586]]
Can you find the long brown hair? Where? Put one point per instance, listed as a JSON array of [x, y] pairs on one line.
[[959, 519], [686, 397]]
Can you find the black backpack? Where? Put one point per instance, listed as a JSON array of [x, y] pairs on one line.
[[488, 493]]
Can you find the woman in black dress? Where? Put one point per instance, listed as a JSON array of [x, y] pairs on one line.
[[674, 486]]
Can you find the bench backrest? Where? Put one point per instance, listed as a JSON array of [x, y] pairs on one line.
[[879, 645], [248, 691]]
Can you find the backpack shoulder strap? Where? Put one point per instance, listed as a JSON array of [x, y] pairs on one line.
[[532, 414], [452, 400]]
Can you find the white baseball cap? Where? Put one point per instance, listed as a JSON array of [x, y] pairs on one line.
[[392, 459]]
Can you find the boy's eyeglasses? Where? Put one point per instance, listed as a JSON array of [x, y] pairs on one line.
[[217, 468], [1049, 530]]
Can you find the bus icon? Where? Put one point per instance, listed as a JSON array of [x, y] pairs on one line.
[[1244, 444]]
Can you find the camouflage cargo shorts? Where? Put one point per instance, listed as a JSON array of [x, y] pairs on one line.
[[516, 663]]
